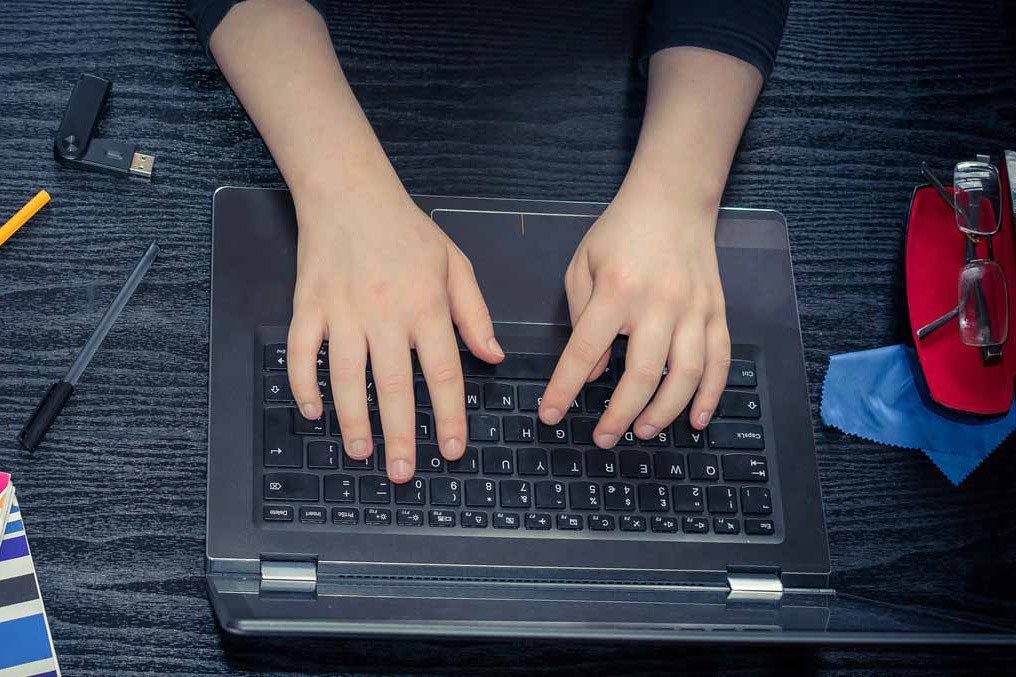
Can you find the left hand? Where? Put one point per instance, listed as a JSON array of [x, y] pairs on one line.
[[647, 269]]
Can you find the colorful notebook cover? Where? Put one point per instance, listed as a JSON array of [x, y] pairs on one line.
[[26, 647], [6, 499]]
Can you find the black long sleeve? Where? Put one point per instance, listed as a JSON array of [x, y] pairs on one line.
[[206, 15], [750, 30]]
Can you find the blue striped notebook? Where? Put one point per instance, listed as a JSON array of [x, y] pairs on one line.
[[26, 647]]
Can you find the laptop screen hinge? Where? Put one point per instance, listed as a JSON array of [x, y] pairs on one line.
[[754, 585], [288, 576]]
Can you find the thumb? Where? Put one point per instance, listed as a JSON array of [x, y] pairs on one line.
[[469, 311]]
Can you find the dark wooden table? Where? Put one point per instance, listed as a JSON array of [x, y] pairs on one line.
[[531, 100]]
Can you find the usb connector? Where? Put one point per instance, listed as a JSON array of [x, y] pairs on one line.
[[142, 165]]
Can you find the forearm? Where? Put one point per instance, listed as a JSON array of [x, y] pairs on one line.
[[697, 106], [278, 57]]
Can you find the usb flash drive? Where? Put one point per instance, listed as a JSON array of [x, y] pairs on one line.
[[75, 145]]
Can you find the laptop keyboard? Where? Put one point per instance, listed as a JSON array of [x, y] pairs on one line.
[[518, 474]]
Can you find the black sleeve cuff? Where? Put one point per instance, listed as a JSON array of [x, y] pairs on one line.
[[749, 30], [207, 14]]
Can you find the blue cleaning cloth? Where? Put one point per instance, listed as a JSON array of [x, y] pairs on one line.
[[872, 394]]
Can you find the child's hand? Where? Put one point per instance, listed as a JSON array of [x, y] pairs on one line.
[[380, 278], [647, 268]]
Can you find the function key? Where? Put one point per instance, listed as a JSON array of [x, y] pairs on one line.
[[601, 522], [428, 458], [538, 521], [408, 517], [745, 467], [635, 464], [597, 399], [756, 501], [567, 521], [686, 436], [742, 374], [722, 499], [323, 454], [695, 525], [506, 520], [313, 515], [291, 486], [688, 499], [278, 513], [668, 465], [566, 463], [377, 516], [469, 462], [726, 525], [277, 388], [729, 435], [633, 523], [345, 515], [601, 463], [340, 489], [532, 461], [472, 519], [498, 396], [703, 467], [757, 527], [275, 356], [663, 524], [738, 404], [530, 397], [442, 518], [472, 395], [304, 426]]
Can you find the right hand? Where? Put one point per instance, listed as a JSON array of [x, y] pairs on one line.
[[380, 277]]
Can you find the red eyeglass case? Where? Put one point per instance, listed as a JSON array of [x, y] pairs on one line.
[[955, 375]]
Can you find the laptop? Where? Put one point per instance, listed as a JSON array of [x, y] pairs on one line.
[[535, 532]]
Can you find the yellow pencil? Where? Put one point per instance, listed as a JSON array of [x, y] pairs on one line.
[[25, 213]]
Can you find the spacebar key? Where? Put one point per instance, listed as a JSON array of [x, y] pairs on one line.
[[523, 366]]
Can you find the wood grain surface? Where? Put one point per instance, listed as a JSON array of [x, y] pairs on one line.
[[525, 99]]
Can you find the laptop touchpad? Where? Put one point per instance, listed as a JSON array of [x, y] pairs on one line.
[[519, 259]]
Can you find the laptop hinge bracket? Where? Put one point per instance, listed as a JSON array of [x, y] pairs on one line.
[[754, 587], [288, 576]]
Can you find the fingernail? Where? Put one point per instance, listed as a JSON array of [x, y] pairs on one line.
[[307, 409], [606, 440], [646, 431], [400, 470], [703, 418], [495, 347], [453, 446], [551, 415], [357, 448]]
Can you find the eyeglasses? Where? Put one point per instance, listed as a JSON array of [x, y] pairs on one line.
[[983, 306]]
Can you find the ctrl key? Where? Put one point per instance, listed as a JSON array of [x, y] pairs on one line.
[[278, 513]]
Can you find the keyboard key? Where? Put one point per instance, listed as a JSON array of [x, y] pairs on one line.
[[371, 392], [530, 397], [756, 501], [576, 405], [428, 458], [742, 374], [470, 519], [597, 398], [423, 426], [303, 426], [340, 489], [278, 513], [538, 521], [519, 429], [668, 465], [413, 492], [498, 396], [627, 439], [380, 517], [635, 464], [275, 356], [506, 520], [601, 463], [322, 357], [584, 496], [726, 525], [757, 527], [686, 436], [345, 515], [379, 455], [472, 395], [735, 436], [515, 494], [325, 387], [357, 464], [569, 521], [553, 434], [374, 417], [566, 463], [442, 518], [633, 523], [498, 461], [695, 525], [514, 366], [663, 524], [484, 428], [582, 430], [745, 467], [618, 496], [601, 522], [375, 489], [661, 439], [445, 491], [422, 394], [469, 462], [323, 455], [688, 499], [282, 448], [550, 495], [312, 515], [277, 388], [291, 486], [408, 517], [738, 404], [722, 499], [703, 467], [532, 461], [481, 493], [653, 497]]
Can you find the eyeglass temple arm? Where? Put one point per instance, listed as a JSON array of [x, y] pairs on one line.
[[937, 324], [942, 192]]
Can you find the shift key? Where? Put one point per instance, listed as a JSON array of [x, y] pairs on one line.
[[291, 486], [735, 436]]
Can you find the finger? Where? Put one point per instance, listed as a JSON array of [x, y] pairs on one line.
[[578, 287], [683, 377], [347, 358], [593, 335], [469, 311], [714, 376], [439, 359], [648, 348], [305, 334], [393, 380]]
